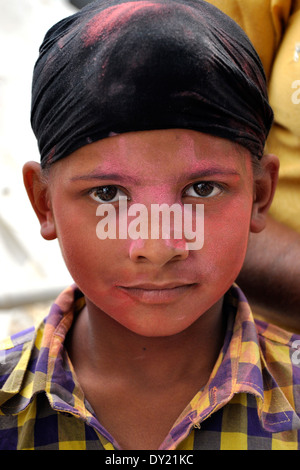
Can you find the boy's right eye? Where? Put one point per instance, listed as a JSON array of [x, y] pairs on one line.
[[106, 194]]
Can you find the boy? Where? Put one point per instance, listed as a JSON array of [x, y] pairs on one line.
[[154, 347]]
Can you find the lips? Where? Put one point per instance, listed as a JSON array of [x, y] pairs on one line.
[[157, 293]]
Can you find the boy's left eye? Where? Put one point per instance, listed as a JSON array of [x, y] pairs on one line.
[[106, 194], [204, 189]]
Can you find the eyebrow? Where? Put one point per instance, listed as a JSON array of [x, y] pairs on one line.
[[212, 171], [201, 173], [105, 177]]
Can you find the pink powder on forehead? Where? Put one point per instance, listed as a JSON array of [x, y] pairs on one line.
[[113, 18]]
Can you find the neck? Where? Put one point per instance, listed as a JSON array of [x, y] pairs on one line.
[[100, 346]]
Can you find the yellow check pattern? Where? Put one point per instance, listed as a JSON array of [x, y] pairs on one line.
[[251, 401]]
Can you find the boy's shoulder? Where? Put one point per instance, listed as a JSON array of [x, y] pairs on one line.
[[280, 350], [270, 359], [15, 353], [276, 343], [276, 337]]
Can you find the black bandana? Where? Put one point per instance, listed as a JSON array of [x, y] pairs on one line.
[[118, 66]]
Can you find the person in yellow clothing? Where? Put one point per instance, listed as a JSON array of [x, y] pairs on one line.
[[271, 274], [284, 92]]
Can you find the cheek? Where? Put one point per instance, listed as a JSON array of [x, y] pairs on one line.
[[226, 239], [93, 264], [80, 247], [77, 249]]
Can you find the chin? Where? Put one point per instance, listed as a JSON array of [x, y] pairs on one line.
[[159, 325]]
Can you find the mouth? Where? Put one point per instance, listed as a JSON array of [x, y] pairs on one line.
[[157, 293]]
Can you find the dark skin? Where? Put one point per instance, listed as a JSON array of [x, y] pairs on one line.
[[130, 381], [134, 346]]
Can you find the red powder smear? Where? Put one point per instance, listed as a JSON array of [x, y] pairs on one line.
[[51, 155], [113, 18]]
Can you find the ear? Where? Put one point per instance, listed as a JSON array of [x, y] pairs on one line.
[[38, 193], [264, 188]]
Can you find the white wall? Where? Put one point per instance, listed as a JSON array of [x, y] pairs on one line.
[[29, 264]]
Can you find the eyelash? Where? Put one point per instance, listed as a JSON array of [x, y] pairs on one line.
[[93, 192], [213, 184]]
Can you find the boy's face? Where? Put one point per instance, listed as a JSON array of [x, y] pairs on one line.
[[154, 287]]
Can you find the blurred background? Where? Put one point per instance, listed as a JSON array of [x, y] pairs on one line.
[[32, 270]]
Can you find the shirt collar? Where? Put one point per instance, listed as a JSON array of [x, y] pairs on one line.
[[44, 366], [35, 361], [241, 368]]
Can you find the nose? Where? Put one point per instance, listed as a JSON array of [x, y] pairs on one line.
[[158, 252]]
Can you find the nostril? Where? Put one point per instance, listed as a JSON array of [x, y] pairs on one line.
[[158, 252]]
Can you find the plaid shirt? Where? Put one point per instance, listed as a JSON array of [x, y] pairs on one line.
[[251, 401]]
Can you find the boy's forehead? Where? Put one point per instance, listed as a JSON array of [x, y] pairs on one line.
[[134, 158]]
